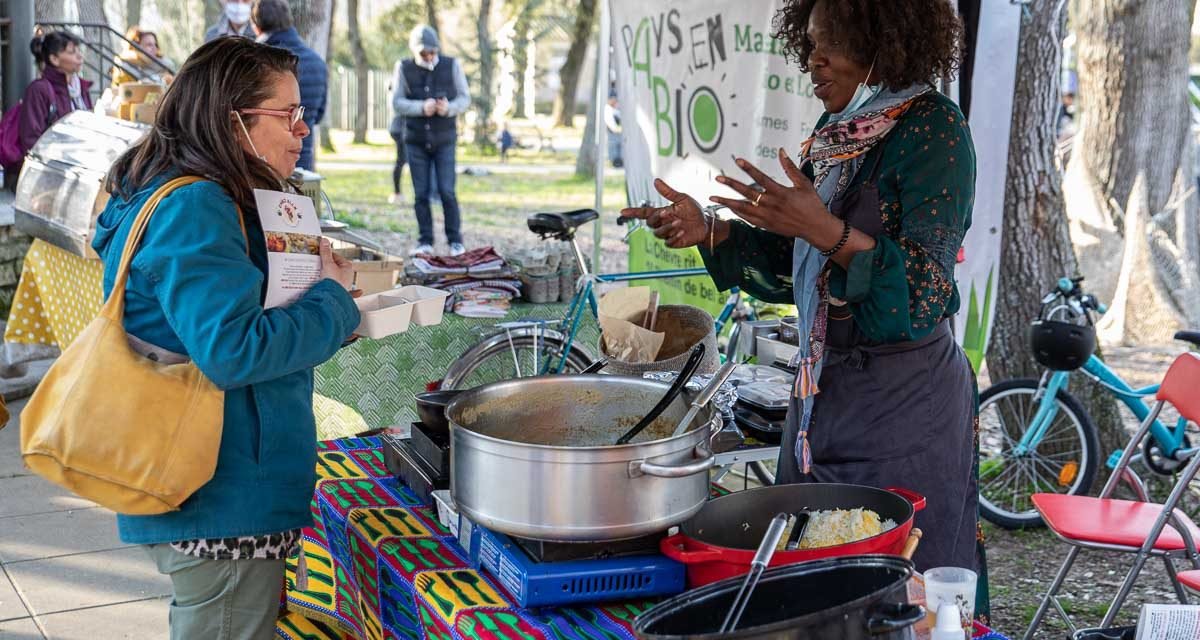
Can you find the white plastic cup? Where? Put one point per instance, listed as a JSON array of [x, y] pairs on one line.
[[952, 585]]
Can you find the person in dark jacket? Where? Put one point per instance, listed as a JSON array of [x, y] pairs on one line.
[[273, 23], [431, 91], [396, 130], [58, 91]]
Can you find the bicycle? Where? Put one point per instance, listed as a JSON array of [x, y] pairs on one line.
[[538, 346], [1036, 437]]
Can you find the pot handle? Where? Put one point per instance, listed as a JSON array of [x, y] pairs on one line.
[[917, 500], [889, 618], [642, 467], [672, 547]]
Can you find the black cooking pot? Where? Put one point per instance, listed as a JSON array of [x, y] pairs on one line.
[[431, 409], [836, 599]]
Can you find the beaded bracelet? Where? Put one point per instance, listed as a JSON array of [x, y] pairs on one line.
[[841, 243]]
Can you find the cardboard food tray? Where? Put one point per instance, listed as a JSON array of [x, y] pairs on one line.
[[137, 92], [383, 314], [428, 304]]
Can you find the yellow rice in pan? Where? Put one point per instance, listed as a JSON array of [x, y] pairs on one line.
[[827, 528]]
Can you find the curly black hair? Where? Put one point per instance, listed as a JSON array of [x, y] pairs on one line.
[[910, 41]]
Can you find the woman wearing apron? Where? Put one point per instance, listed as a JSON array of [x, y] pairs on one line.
[[863, 236]]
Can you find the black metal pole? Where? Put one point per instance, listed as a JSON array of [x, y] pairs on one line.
[[18, 65]]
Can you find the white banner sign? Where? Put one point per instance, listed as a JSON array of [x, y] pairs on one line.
[[702, 82]]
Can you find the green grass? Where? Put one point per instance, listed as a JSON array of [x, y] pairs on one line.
[[360, 197], [381, 148]]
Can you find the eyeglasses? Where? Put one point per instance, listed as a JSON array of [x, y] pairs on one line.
[[294, 115]]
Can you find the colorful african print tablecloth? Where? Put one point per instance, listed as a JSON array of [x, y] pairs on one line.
[[379, 566]]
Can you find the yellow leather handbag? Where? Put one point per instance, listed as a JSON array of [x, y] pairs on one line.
[[119, 429]]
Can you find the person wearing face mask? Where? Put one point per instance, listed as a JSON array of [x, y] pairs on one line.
[[430, 93], [57, 92], [234, 21], [195, 292], [862, 235]]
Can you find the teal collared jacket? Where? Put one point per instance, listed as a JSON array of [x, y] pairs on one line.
[[195, 288]]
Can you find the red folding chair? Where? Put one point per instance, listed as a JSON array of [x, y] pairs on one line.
[[1140, 528]]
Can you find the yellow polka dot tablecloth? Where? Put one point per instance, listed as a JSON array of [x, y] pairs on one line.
[[58, 295]]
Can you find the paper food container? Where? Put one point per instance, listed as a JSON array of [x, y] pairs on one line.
[[137, 92], [373, 272], [428, 304], [145, 113], [383, 314]]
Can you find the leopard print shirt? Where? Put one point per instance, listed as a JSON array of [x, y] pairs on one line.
[[275, 546]]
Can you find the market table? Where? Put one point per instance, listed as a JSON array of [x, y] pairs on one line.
[[368, 384], [380, 377], [379, 565]]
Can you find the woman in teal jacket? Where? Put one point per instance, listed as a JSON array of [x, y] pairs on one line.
[[196, 291]]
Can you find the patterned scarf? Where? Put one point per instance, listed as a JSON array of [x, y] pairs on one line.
[[836, 152]]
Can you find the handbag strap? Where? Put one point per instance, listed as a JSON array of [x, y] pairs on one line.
[[114, 307]]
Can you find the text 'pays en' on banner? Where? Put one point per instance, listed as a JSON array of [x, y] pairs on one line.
[[701, 83]]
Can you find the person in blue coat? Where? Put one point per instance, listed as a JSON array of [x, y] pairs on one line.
[[195, 292], [273, 23]]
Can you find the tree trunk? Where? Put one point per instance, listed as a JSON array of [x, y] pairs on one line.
[[431, 16], [585, 162], [133, 12], [323, 129], [564, 105], [521, 55], [485, 98], [1135, 126], [1036, 248], [313, 20], [361, 76], [212, 12]]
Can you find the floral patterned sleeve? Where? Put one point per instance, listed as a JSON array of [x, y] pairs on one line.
[[904, 287], [756, 261]]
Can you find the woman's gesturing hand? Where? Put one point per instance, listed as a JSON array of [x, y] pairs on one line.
[[794, 211], [681, 223]]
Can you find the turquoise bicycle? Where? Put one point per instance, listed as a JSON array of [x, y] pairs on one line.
[[533, 347], [1036, 437]]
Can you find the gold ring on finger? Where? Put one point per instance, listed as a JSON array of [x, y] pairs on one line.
[[757, 198]]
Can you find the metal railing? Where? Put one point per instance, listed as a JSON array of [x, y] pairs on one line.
[[97, 37]]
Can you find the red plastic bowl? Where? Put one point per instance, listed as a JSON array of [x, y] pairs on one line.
[[720, 541]]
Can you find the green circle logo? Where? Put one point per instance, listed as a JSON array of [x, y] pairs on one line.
[[707, 120]]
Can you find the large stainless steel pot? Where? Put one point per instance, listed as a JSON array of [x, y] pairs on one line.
[[521, 463]]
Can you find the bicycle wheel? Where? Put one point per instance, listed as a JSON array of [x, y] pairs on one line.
[[1065, 461], [498, 358]]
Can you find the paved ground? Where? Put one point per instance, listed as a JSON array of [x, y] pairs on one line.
[[63, 572]]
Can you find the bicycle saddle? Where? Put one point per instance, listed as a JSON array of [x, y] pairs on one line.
[[560, 225], [1189, 336]]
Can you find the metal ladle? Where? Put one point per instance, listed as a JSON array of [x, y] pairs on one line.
[[766, 549], [706, 395], [685, 374]]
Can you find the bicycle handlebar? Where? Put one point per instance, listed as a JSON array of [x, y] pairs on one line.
[[1070, 289]]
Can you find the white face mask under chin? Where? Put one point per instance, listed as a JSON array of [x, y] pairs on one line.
[[863, 94], [249, 139]]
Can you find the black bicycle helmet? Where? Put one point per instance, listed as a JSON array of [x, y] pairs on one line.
[[1062, 346]]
